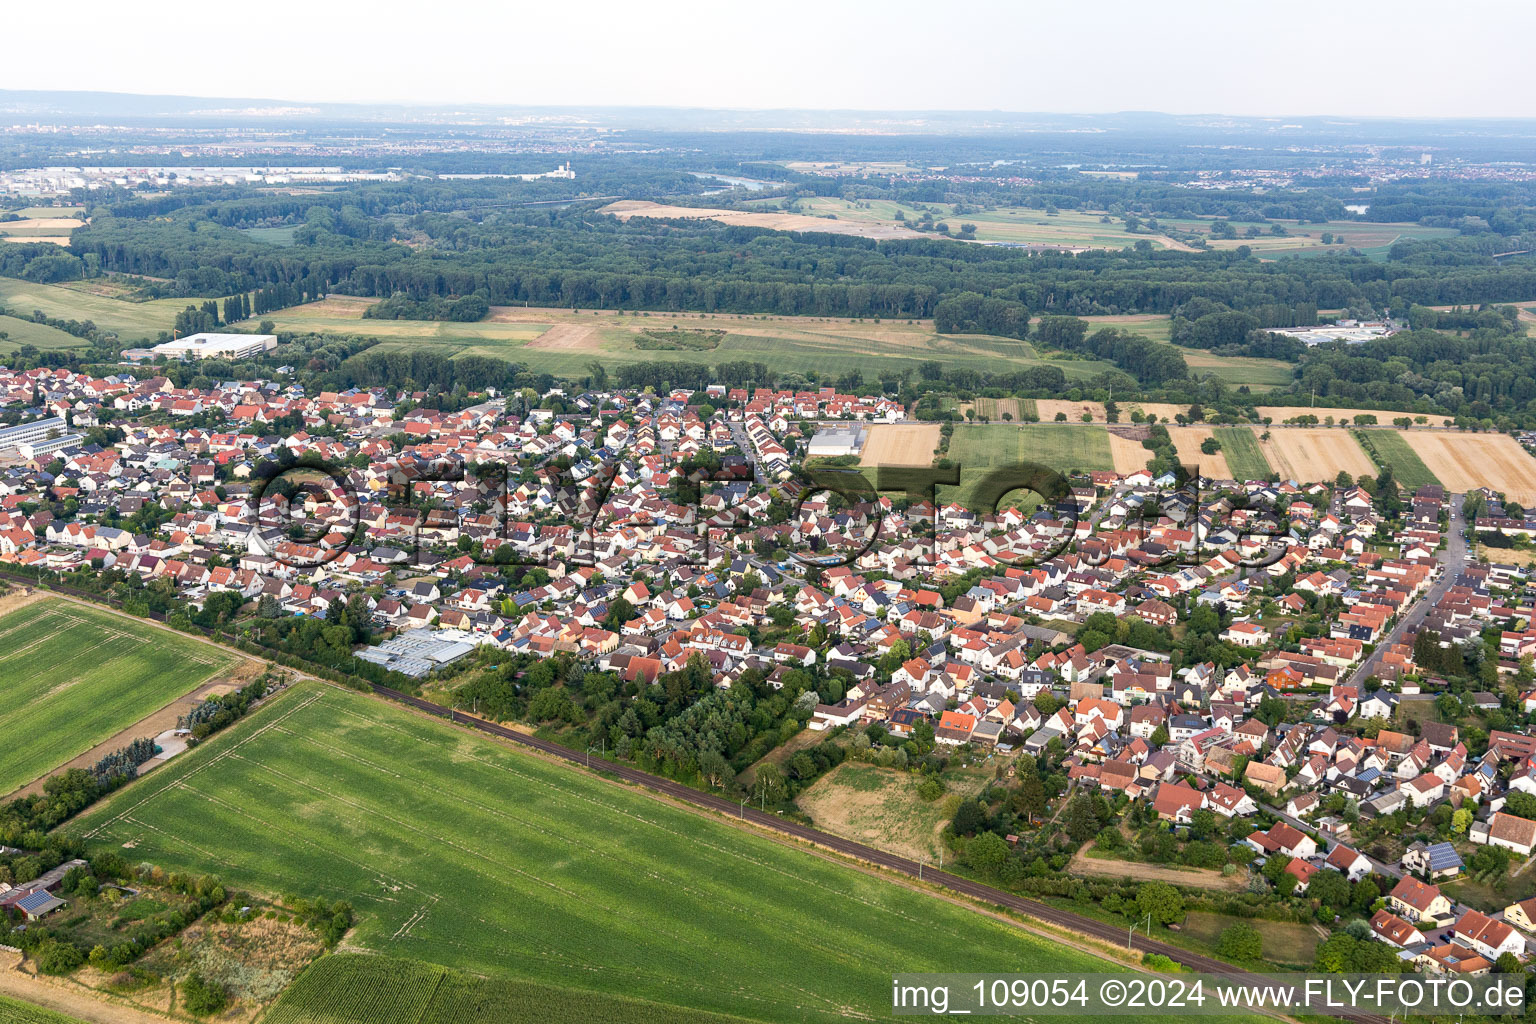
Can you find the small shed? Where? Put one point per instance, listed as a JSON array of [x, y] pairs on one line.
[[40, 904]]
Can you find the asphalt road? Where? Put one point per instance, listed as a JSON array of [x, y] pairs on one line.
[[1452, 561]]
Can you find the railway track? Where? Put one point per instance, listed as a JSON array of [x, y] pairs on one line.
[[954, 883], [656, 783]]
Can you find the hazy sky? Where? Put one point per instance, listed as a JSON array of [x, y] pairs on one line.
[[1353, 57]]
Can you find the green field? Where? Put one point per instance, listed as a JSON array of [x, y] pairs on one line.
[[460, 852], [1388, 448], [566, 342], [46, 211], [1241, 447], [20, 332], [13, 1011], [274, 236], [352, 989], [1238, 371], [133, 322], [1284, 942], [1241, 371], [1064, 447], [72, 677]]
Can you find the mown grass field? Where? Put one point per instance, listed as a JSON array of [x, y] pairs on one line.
[[1087, 229], [71, 677], [1064, 447], [1390, 448], [460, 852], [1284, 942], [20, 332], [1061, 446], [1241, 448], [13, 1011], [566, 342], [133, 322]]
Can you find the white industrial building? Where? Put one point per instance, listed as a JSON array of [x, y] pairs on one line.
[[217, 346], [830, 442], [1351, 332], [36, 432]]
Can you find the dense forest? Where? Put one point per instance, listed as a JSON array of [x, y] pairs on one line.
[[435, 248]]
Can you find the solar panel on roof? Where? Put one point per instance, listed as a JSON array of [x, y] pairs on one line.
[[39, 901]]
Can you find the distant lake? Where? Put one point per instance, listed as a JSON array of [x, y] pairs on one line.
[[1357, 208], [750, 184]]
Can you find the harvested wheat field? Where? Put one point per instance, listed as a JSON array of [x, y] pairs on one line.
[[1313, 454], [568, 338], [1384, 417], [1049, 407], [901, 444], [41, 225], [627, 208], [1465, 462], [1188, 440], [1129, 455]]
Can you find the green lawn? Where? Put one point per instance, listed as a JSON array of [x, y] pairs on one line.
[[1241, 448], [1064, 447], [13, 1011], [460, 852], [1389, 448], [71, 677]]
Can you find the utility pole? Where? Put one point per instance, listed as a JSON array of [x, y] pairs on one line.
[[1132, 930]]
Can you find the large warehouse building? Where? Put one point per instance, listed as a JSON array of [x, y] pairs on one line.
[[217, 346]]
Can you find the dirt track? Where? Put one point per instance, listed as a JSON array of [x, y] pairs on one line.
[[1204, 878], [67, 998]]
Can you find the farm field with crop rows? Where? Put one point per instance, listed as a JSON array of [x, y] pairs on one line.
[[452, 847], [71, 677]]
